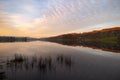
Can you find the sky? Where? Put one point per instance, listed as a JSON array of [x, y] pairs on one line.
[[44, 18]]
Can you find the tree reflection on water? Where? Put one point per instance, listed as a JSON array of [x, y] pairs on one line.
[[112, 47]]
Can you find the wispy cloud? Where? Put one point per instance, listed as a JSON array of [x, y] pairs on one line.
[[41, 18]]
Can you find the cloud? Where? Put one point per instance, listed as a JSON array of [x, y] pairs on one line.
[[40, 18], [17, 19], [66, 16], [29, 8]]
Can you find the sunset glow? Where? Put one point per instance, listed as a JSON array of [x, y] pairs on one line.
[[43, 18]]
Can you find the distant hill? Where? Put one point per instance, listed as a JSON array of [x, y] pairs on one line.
[[12, 39], [109, 33], [15, 39], [106, 39]]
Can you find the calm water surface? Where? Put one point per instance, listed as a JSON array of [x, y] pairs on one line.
[[52, 61]]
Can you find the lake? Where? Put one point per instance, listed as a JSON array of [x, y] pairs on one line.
[[40, 60]]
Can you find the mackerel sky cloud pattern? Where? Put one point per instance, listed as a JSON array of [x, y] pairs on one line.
[[53, 17]]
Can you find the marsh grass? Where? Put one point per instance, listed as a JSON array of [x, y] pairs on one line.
[[18, 58], [43, 64]]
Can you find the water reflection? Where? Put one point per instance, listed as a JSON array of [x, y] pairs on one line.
[[42, 64], [112, 47], [2, 72], [2, 76], [64, 60], [51, 61]]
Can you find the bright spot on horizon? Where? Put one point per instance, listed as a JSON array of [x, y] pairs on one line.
[[43, 18]]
